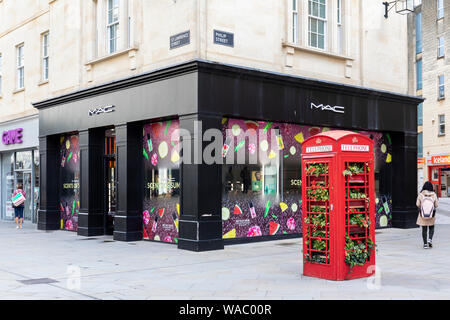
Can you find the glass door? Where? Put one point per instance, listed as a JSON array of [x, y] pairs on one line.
[[109, 175], [24, 178]]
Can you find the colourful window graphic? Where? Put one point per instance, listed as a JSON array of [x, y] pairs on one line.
[[262, 193], [161, 156], [69, 182]]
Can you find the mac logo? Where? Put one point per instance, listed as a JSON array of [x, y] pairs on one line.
[[101, 110], [336, 109]]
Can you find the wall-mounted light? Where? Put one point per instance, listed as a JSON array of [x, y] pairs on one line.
[[401, 7]]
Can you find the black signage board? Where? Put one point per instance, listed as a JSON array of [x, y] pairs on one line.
[[180, 39], [224, 38]]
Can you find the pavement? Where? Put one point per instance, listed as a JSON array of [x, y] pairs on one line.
[[53, 265]]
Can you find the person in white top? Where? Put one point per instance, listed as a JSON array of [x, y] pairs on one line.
[[427, 224]]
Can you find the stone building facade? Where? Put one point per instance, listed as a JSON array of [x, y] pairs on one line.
[[429, 67], [101, 73]]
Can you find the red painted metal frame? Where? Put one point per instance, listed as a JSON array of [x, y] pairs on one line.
[[326, 148]]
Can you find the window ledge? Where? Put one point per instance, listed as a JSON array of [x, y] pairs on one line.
[[317, 51], [441, 134], [42, 82], [111, 56], [18, 90]]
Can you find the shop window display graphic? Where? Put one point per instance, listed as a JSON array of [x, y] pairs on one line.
[[264, 198], [338, 207], [69, 182], [161, 156]]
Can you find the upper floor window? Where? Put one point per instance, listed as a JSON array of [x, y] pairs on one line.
[[419, 74], [441, 124], [420, 145], [420, 114], [339, 25], [440, 9], [45, 55], [317, 21], [295, 21], [112, 25], [20, 67], [441, 51], [441, 87], [0, 74], [419, 32]]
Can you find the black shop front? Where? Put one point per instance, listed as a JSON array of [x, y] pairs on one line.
[[113, 157]]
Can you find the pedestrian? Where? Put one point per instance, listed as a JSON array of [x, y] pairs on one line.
[[18, 211], [427, 203]]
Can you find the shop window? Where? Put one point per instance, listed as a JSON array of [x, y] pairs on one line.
[[262, 193], [7, 185], [441, 124], [317, 23], [23, 160], [441, 50], [435, 175], [161, 155], [69, 181], [441, 87], [36, 183]]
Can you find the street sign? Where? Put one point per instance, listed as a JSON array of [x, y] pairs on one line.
[[180, 39], [224, 38]]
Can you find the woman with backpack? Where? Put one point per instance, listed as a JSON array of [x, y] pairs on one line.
[[427, 203]]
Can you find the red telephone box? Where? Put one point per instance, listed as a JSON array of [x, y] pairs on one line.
[[338, 206]]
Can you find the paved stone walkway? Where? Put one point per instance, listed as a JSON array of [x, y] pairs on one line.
[[99, 268]]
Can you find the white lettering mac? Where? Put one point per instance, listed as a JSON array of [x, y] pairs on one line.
[[101, 110], [322, 107]]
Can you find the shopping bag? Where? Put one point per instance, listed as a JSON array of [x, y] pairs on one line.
[[18, 199]]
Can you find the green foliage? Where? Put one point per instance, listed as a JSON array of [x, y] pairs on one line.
[[319, 220], [358, 219], [317, 258], [316, 169], [355, 194], [354, 168], [318, 194], [318, 244], [317, 209], [357, 252]]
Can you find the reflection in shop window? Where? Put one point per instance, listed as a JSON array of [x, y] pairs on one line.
[[263, 197], [23, 160]]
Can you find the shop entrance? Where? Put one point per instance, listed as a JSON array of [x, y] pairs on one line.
[[110, 180], [440, 178], [24, 178], [445, 182]]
